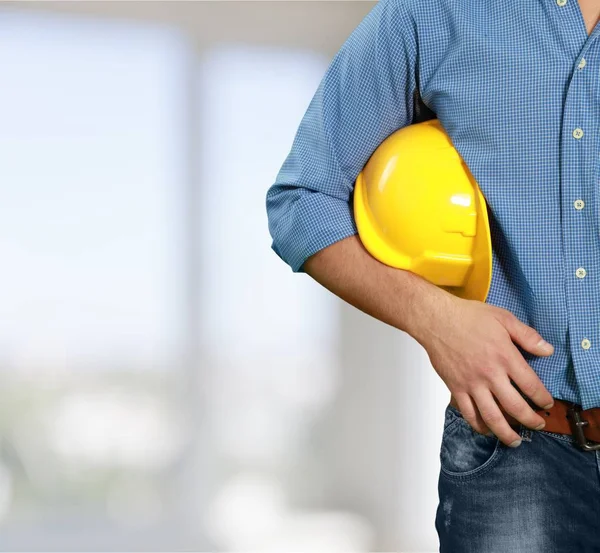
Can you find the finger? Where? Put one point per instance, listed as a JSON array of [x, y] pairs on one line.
[[471, 414], [514, 404], [494, 419], [526, 336], [529, 382]]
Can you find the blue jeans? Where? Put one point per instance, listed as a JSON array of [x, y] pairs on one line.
[[540, 497]]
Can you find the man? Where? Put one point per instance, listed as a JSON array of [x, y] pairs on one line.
[[515, 85]]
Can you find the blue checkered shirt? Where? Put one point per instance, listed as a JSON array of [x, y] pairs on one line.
[[516, 85]]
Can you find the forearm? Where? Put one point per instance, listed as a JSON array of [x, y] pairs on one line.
[[396, 297]]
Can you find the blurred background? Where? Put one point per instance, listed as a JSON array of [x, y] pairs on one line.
[[167, 383]]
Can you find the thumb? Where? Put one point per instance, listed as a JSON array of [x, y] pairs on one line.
[[527, 337]]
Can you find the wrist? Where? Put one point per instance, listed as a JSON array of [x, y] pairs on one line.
[[429, 309]]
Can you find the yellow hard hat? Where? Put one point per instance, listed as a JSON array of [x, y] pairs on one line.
[[417, 207]]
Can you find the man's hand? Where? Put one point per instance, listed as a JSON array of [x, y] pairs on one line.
[[470, 345]]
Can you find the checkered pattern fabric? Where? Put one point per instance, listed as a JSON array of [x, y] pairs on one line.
[[516, 85]]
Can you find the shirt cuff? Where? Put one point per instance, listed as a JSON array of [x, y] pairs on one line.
[[315, 221]]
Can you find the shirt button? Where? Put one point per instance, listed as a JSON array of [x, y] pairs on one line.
[[578, 204], [580, 272], [581, 64], [586, 344], [577, 133], [561, 2]]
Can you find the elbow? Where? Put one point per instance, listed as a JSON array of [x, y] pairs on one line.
[[279, 203]]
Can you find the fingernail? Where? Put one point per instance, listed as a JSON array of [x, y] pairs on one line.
[[549, 406], [516, 443], [540, 426], [542, 344], [490, 433]]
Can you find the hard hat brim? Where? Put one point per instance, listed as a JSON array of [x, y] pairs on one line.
[[479, 280]]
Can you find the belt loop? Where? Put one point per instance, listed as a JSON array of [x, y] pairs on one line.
[[525, 433]]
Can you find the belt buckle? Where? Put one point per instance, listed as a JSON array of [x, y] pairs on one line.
[[577, 424]]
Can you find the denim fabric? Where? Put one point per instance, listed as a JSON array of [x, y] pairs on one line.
[[541, 497]]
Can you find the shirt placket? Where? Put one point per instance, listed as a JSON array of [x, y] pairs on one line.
[[579, 174]]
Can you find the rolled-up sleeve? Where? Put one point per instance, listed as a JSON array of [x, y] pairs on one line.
[[367, 93]]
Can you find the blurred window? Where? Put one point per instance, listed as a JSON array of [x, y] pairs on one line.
[[120, 152], [92, 181]]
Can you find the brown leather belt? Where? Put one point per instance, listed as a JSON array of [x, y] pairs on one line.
[[565, 417]]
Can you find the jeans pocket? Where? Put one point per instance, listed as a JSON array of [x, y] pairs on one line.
[[464, 452]]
